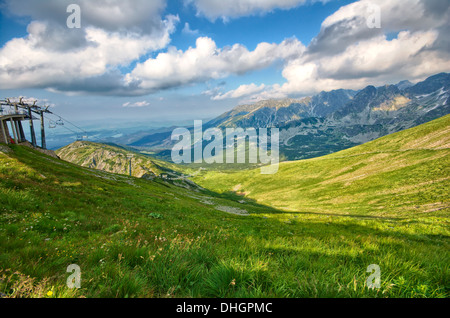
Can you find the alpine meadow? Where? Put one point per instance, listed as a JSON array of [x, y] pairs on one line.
[[250, 151]]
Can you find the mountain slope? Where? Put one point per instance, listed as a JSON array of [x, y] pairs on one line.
[[406, 173], [138, 238], [114, 159]]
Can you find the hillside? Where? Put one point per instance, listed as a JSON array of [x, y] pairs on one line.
[[407, 173], [114, 159], [138, 238]]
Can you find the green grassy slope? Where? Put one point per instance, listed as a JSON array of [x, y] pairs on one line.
[[114, 159], [404, 174], [138, 238]]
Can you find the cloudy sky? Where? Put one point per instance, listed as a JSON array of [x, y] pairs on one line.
[[169, 60]]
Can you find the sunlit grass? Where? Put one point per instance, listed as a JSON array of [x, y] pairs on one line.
[[136, 238]]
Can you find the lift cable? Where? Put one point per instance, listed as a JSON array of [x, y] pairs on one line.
[[64, 126], [65, 120]]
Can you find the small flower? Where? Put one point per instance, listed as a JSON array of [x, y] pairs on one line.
[[50, 294]]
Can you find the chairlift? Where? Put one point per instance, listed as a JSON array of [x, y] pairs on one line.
[[60, 122], [79, 137], [51, 124]]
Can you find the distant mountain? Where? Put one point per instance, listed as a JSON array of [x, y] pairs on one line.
[[273, 113], [336, 120], [327, 103], [404, 85], [371, 114], [263, 114], [431, 85]]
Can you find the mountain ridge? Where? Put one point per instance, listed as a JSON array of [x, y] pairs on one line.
[[331, 121]]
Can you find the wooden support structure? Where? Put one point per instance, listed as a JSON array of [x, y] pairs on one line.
[[22, 133], [13, 128], [16, 126], [43, 143], [21, 111], [33, 135], [130, 157], [4, 135], [24, 111]]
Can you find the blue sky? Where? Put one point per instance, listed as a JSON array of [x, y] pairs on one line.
[[302, 22], [140, 61]]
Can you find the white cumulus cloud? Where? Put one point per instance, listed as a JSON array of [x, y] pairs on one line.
[[412, 43], [31, 62], [136, 104], [241, 91], [214, 9], [206, 61], [187, 30], [52, 56]]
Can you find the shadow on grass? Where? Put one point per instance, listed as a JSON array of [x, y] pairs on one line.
[[233, 196]]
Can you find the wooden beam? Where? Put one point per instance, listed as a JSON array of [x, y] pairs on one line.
[[19, 137], [33, 135], [13, 129], [22, 133], [44, 145], [130, 157], [2, 123]]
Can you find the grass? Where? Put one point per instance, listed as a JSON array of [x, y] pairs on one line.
[[140, 238]]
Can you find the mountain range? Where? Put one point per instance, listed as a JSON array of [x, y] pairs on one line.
[[330, 121]]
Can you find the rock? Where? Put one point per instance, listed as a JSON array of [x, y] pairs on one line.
[[232, 210], [5, 149]]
